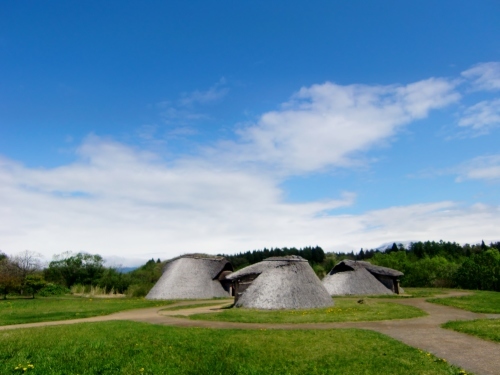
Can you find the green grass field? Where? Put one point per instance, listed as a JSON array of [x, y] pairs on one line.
[[192, 306], [488, 329], [18, 311], [427, 292], [139, 348], [345, 309], [479, 301]]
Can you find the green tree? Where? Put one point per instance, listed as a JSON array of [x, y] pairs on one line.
[[34, 283], [481, 271], [10, 278], [82, 268]]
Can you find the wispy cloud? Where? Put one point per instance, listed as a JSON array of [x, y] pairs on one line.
[[481, 168], [213, 94], [482, 117], [189, 107], [484, 76]]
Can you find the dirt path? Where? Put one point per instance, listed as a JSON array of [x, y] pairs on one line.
[[472, 354]]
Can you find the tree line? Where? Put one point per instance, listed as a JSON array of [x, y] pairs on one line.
[[424, 264], [25, 274]]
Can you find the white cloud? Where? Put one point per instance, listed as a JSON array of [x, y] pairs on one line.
[[117, 201], [329, 124], [482, 116], [480, 168], [484, 76]]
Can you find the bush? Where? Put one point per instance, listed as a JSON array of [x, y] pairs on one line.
[[139, 290], [53, 290]]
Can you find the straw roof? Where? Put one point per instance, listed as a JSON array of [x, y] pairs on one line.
[[191, 276], [282, 283], [377, 270], [357, 277]]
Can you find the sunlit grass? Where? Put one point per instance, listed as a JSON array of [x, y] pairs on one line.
[[192, 306], [345, 309], [138, 348], [478, 301], [18, 311], [488, 329]]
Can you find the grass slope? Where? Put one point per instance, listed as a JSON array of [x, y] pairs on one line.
[[345, 309], [18, 311], [488, 329], [139, 348], [479, 302]]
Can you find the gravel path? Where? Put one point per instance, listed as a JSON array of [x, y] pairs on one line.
[[468, 352]]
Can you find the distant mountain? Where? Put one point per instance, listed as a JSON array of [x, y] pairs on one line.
[[126, 269], [388, 245]]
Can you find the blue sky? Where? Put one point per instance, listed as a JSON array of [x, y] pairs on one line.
[[135, 129]]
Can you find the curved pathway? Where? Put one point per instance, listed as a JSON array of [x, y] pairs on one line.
[[468, 352]]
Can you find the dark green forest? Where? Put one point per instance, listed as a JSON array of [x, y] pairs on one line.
[[424, 264]]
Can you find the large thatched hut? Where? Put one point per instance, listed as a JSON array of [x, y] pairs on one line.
[[279, 283], [193, 276], [358, 277]]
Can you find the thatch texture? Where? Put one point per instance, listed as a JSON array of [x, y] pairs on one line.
[[350, 277], [191, 277], [281, 283]]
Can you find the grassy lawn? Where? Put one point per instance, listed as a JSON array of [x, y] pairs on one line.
[[479, 301], [488, 329], [427, 292], [345, 309], [139, 348], [192, 306], [18, 311]]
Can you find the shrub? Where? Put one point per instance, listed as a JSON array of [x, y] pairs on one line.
[[53, 290], [138, 290]]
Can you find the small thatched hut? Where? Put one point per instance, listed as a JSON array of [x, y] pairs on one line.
[[193, 276], [279, 283], [358, 277]]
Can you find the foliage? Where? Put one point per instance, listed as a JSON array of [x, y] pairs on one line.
[[480, 302], [345, 310], [27, 262], [10, 278], [488, 329], [20, 311], [81, 268], [144, 278], [34, 283], [52, 290], [315, 255], [91, 349], [481, 271]]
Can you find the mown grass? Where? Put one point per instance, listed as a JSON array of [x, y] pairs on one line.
[[345, 309], [426, 292], [138, 348], [479, 302], [488, 329], [192, 306], [19, 311], [410, 293]]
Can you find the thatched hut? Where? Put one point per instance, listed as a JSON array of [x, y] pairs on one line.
[[193, 276], [279, 283], [358, 277]]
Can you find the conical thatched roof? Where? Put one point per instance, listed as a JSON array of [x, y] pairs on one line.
[[357, 278], [282, 283], [191, 276]]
